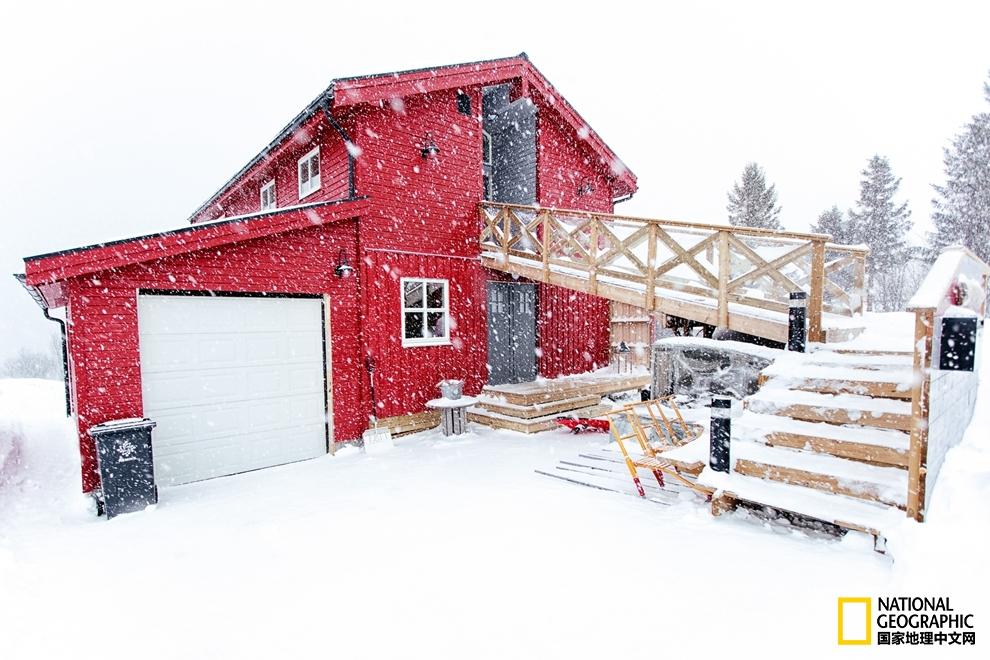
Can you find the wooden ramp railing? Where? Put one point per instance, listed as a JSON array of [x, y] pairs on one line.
[[942, 402], [733, 277]]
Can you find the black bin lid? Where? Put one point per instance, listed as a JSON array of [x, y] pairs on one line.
[[121, 425]]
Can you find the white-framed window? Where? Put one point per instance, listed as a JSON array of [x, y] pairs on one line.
[[268, 196], [309, 173], [425, 312]]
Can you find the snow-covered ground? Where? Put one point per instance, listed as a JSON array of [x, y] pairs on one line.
[[443, 548]]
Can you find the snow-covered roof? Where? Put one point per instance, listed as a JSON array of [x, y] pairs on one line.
[[46, 270], [345, 92]]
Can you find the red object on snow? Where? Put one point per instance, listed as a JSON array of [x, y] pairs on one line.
[[581, 424]]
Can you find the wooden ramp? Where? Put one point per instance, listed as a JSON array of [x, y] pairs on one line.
[[732, 277]]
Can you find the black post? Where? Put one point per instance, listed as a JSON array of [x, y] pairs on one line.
[[720, 433], [797, 322]]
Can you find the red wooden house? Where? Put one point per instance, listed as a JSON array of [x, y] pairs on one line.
[[337, 276]]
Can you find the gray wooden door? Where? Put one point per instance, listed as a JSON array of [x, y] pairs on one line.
[[512, 128], [511, 332]]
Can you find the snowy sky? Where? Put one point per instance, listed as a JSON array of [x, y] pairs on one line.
[[117, 120]]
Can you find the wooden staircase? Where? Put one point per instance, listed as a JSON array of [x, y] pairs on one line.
[[535, 406], [826, 437]]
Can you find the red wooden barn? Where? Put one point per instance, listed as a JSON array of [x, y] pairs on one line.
[[337, 275]]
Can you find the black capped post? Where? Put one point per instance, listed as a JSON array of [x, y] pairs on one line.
[[797, 322], [721, 433]]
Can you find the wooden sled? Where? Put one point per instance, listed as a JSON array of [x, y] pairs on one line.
[[658, 434]]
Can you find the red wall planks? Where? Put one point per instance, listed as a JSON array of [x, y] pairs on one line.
[[406, 377], [103, 333], [573, 326]]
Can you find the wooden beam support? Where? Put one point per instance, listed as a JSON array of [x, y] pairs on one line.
[[924, 322], [724, 268], [816, 330], [651, 267]]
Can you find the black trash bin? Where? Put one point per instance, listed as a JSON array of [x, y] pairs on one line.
[[127, 474]]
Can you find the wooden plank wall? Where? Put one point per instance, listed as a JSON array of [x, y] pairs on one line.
[[633, 325]]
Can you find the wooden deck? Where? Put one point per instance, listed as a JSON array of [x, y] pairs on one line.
[[732, 277], [533, 407]]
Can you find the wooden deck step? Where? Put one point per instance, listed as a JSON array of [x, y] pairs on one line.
[[830, 358], [569, 387], [846, 512], [538, 409], [860, 443], [412, 423], [832, 408], [533, 425], [886, 383], [831, 474]]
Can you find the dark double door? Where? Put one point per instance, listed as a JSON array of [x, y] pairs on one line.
[[511, 332]]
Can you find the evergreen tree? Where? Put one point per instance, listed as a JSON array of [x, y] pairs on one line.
[[833, 222], [962, 205], [752, 203], [878, 221]]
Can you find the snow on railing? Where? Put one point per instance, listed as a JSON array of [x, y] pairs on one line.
[[641, 260], [942, 400]]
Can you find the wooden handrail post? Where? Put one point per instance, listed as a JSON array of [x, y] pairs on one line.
[[924, 325], [505, 233], [651, 267], [860, 282], [816, 330], [724, 268], [593, 257], [545, 228]]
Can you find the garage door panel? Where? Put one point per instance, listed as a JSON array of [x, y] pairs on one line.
[[234, 383]]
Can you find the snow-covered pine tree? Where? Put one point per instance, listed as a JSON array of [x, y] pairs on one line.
[[962, 205], [752, 203], [878, 221], [833, 222]]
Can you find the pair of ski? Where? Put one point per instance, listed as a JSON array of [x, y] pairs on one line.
[[607, 471]]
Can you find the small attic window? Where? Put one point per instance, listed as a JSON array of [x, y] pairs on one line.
[[268, 196], [309, 173], [463, 103]]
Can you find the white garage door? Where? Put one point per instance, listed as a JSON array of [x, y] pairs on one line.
[[234, 383]]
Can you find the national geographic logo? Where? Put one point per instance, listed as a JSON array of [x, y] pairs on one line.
[[903, 620]]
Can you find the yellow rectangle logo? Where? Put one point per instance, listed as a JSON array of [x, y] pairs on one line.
[[855, 621]]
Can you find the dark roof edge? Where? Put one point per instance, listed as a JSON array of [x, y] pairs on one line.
[[327, 96], [32, 291], [287, 130], [194, 228], [441, 67]]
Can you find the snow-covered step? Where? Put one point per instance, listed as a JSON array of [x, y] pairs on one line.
[[831, 474], [832, 408], [894, 383], [861, 443], [530, 425], [846, 512], [872, 361], [500, 406]]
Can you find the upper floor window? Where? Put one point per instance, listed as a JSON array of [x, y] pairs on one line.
[[425, 312], [268, 195], [309, 173]]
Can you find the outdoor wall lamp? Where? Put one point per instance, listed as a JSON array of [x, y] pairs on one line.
[[343, 269], [430, 147]]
